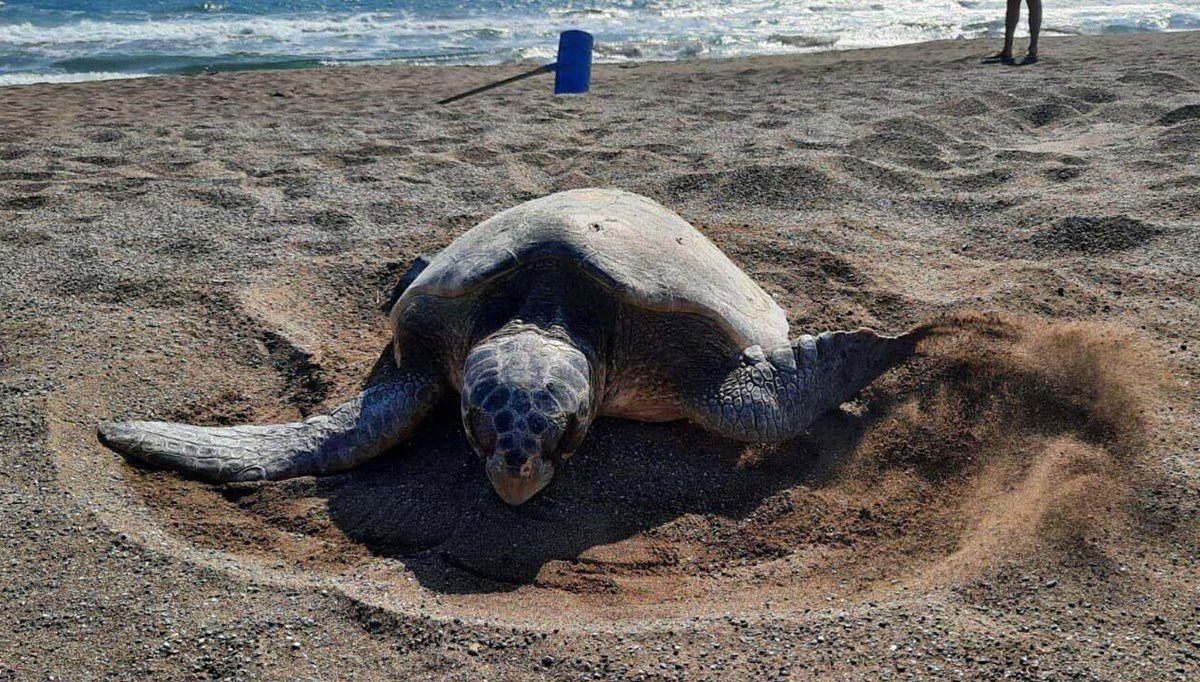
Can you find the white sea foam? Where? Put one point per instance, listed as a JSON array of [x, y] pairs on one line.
[[202, 29], [31, 78]]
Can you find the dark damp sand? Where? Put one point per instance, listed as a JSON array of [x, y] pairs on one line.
[[1021, 501]]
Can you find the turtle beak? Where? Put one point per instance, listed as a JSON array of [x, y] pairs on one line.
[[515, 485]]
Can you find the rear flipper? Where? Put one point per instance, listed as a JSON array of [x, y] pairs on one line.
[[381, 416], [777, 396]]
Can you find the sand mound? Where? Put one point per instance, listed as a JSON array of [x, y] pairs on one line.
[[1008, 438], [1091, 235]]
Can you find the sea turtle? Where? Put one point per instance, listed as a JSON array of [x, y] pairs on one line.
[[583, 303]]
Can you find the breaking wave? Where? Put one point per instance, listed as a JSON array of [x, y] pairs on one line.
[[174, 37]]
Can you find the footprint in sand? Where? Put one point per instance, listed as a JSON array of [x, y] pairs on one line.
[[332, 221], [964, 107], [23, 237], [973, 182], [1092, 95], [1062, 173], [1187, 112], [225, 198], [891, 144], [104, 135], [33, 176], [122, 189], [31, 202], [1180, 138], [878, 176], [102, 161], [1160, 79], [791, 186], [13, 152]]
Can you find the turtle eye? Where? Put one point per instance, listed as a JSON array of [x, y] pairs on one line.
[[572, 437], [480, 434], [473, 442]]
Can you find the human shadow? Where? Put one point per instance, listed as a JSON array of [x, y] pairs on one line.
[[429, 504]]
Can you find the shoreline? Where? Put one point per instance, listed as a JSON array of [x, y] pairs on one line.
[[316, 64]]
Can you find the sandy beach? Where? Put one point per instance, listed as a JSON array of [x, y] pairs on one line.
[[1019, 502]]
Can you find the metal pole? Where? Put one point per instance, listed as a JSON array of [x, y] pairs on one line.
[[506, 81]]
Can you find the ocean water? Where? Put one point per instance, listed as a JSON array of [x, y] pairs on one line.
[[73, 40]]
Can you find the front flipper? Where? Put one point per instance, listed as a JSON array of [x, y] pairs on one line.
[[378, 418], [414, 271], [775, 397]]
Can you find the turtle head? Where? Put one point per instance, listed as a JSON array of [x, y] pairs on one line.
[[526, 405]]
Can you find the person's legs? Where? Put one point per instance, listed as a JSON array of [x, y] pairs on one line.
[[1035, 26], [1012, 16]]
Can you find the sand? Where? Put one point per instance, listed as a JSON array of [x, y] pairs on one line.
[[1019, 501]]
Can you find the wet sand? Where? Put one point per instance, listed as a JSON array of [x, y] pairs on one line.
[[1020, 500]]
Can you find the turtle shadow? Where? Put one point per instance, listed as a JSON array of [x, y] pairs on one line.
[[429, 505]]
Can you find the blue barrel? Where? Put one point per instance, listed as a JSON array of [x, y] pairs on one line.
[[573, 70]]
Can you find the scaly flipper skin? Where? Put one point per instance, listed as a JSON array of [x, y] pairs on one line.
[[776, 397], [384, 414]]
